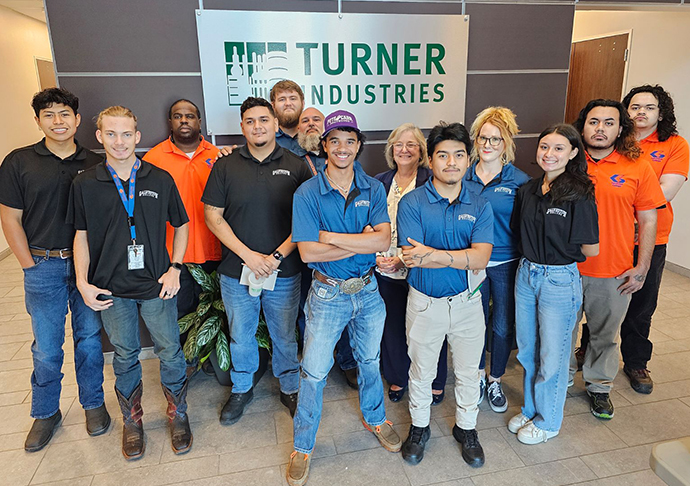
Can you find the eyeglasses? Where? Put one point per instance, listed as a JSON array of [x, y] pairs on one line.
[[493, 141], [410, 146]]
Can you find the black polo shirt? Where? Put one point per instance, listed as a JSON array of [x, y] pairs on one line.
[[95, 206], [37, 181], [551, 234], [257, 201]]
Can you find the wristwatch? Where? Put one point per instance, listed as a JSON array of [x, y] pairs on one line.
[[278, 256], [176, 266]]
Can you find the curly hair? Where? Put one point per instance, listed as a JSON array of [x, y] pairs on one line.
[[626, 143], [503, 119], [395, 136], [50, 96], [575, 183], [667, 117]]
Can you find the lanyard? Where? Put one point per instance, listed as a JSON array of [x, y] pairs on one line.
[[127, 202], [311, 164]]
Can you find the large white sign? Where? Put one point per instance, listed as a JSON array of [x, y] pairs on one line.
[[387, 69]]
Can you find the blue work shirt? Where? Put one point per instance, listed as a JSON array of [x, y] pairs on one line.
[[427, 217], [317, 163], [288, 142], [319, 207], [500, 192]]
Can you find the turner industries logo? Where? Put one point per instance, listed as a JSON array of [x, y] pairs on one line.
[[252, 68]]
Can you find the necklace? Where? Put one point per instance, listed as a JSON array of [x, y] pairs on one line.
[[338, 186], [399, 188]]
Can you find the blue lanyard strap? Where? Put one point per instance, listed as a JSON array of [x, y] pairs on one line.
[[128, 202]]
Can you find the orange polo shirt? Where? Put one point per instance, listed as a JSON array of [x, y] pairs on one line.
[[621, 186], [190, 176], [668, 157]]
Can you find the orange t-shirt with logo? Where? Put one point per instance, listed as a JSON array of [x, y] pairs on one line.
[[190, 176], [668, 157], [622, 186]]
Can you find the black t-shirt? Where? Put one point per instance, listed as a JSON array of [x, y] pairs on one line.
[[551, 234], [37, 181], [95, 206], [257, 202]]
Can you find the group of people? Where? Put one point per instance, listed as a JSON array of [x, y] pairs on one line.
[[381, 274]]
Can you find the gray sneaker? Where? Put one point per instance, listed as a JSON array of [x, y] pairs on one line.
[[497, 399]]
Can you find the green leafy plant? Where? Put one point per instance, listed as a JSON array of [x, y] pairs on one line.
[[207, 327]]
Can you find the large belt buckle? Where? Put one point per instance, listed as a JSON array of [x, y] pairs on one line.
[[63, 256], [352, 285]]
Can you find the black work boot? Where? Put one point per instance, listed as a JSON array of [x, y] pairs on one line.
[[413, 447], [472, 451], [178, 422], [133, 444], [41, 432], [234, 407], [97, 420], [290, 401]]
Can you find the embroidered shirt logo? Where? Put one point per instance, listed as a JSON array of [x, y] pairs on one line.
[[466, 217], [617, 180], [148, 193], [281, 172], [364, 203], [657, 156], [507, 190], [557, 211], [209, 162]]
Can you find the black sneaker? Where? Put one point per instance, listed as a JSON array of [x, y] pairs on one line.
[[600, 405], [482, 389], [640, 381], [290, 401], [413, 447], [472, 451], [234, 407], [497, 399]]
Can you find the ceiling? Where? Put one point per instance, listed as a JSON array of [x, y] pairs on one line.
[[31, 8]]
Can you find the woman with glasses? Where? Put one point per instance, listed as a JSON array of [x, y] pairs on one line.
[[407, 158], [557, 226], [493, 176]]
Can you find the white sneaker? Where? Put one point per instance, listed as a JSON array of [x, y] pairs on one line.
[[518, 422], [531, 434]]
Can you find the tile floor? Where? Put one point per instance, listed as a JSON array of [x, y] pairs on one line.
[[255, 450]]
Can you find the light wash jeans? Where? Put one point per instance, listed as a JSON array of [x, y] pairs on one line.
[[547, 299], [328, 311], [49, 287], [280, 307]]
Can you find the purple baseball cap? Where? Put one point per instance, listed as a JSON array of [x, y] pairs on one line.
[[339, 119]]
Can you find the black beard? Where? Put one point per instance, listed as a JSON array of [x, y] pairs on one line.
[[288, 121]]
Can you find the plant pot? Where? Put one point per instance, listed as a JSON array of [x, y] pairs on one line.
[[223, 377]]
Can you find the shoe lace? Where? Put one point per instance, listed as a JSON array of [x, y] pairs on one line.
[[294, 453], [495, 390], [378, 427], [471, 438], [641, 373], [416, 434]]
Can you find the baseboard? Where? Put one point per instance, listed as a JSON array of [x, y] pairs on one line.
[[146, 353], [675, 268], [5, 253]]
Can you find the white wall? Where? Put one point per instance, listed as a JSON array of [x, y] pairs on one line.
[[21, 39], [658, 55]]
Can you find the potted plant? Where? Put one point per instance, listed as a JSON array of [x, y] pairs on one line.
[[207, 329]]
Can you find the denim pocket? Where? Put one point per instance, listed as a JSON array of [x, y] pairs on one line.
[[560, 279], [37, 262], [322, 291]]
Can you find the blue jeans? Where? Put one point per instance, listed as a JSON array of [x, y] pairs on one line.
[[500, 287], [547, 299], [328, 312], [121, 323], [49, 288], [280, 307]]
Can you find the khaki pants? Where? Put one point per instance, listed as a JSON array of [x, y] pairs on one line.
[[429, 321], [605, 309]]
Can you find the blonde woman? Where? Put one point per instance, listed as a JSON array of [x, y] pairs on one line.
[[493, 176], [407, 158]]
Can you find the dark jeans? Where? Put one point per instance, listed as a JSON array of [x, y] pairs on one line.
[[500, 325], [190, 290], [343, 350], [636, 347], [394, 358]]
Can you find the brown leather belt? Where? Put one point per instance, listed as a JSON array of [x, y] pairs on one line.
[[349, 286], [63, 254]]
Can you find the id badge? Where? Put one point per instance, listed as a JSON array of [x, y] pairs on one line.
[[135, 257]]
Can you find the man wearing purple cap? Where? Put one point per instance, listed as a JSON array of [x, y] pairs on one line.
[[339, 222]]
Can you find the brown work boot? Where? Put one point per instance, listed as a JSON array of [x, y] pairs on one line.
[[133, 444], [640, 381], [178, 422], [298, 468], [388, 438]]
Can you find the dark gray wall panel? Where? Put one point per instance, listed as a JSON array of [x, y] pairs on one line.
[[124, 35], [538, 100], [522, 36], [148, 97], [440, 7], [525, 156]]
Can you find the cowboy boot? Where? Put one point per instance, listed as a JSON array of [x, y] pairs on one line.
[[132, 430], [178, 421]]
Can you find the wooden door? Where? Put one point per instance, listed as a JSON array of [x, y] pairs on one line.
[[597, 70]]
